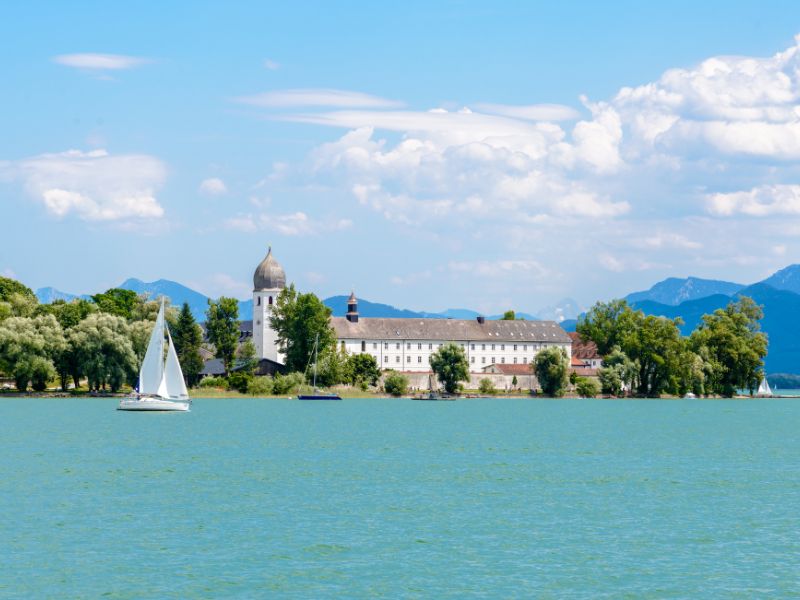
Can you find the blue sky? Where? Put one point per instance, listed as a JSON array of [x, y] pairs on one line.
[[487, 155]]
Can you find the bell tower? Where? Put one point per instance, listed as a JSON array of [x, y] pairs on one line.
[[268, 281]]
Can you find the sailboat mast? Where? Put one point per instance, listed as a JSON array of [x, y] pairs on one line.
[[316, 348]]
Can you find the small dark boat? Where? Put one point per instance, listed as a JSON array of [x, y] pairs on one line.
[[319, 397], [433, 395]]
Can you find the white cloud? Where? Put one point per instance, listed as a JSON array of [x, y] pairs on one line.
[[271, 64], [297, 223], [317, 97], [100, 62], [94, 186], [213, 187], [760, 201], [532, 112]]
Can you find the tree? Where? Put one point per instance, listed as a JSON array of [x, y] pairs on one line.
[[188, 337], [395, 384], [117, 301], [606, 324], [331, 367], [247, 358], [733, 347], [587, 388], [222, 326], [28, 347], [450, 365], [298, 319], [9, 286], [104, 351], [509, 315], [514, 382], [655, 345], [551, 367], [362, 369], [485, 386], [610, 381]]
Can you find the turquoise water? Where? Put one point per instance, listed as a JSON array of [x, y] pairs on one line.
[[395, 498]]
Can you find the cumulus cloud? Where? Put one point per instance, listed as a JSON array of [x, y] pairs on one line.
[[290, 224], [760, 201], [94, 186], [531, 112], [100, 62], [317, 97], [213, 187]]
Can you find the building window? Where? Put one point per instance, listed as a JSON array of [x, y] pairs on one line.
[[493, 360], [472, 359], [515, 360], [524, 347], [385, 345], [397, 359], [270, 300], [419, 359], [419, 346], [492, 346], [483, 346], [408, 346], [430, 346], [502, 346], [385, 358], [483, 360], [515, 347], [397, 346], [258, 322], [472, 346], [503, 359], [258, 303], [408, 359], [374, 345], [524, 360]]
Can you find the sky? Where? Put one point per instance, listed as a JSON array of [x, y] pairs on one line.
[[429, 155]]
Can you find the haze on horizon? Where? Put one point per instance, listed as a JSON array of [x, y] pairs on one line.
[[484, 155]]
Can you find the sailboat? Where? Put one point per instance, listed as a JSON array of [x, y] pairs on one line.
[[317, 395], [161, 386], [763, 388]]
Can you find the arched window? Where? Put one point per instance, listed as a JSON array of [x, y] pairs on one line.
[[270, 300]]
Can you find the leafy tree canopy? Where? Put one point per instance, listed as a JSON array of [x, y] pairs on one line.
[[298, 319], [450, 365], [222, 326], [551, 366]]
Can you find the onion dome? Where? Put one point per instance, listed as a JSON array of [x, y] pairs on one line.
[[269, 274]]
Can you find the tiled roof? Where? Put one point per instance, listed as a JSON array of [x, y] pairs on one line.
[[456, 330], [510, 369], [581, 348]]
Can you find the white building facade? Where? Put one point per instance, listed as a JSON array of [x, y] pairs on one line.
[[268, 281]]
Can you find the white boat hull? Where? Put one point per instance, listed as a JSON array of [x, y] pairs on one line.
[[153, 404]]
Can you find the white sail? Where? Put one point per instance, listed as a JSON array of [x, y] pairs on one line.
[[172, 385], [152, 370], [763, 388]]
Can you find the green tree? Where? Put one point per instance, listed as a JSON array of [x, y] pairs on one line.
[[9, 287], [733, 346], [331, 367], [395, 384], [298, 319], [606, 324], [656, 347], [610, 381], [514, 382], [551, 367], [104, 350], [587, 388], [187, 336], [450, 365], [362, 369], [247, 358], [117, 301], [28, 348], [509, 315], [222, 327], [69, 313], [485, 386], [260, 386]]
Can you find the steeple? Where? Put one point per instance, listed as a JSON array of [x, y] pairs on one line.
[[352, 308], [269, 274]]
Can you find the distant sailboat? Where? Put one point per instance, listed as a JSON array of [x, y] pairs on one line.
[[317, 395], [161, 385], [763, 388]]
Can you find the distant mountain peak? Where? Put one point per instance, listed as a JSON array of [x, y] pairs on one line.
[[675, 290]]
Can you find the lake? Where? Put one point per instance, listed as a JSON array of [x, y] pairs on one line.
[[395, 498]]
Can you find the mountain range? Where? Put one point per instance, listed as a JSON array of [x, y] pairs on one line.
[[688, 298]]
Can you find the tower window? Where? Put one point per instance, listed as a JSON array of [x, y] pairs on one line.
[[258, 301], [270, 300]]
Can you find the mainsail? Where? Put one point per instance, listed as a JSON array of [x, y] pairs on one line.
[[152, 371], [763, 388]]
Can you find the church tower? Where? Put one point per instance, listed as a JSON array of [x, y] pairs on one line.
[[268, 280]]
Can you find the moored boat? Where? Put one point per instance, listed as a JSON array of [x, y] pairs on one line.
[[317, 395]]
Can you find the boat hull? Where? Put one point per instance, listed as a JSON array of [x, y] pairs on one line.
[[147, 403], [319, 397]]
